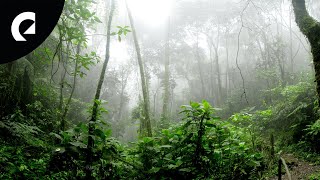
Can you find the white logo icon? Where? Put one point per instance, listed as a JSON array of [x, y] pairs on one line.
[[16, 24]]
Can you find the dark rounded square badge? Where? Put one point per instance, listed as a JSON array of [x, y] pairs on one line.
[[25, 25]]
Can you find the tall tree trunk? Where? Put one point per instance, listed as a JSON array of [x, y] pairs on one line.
[[216, 64], [228, 85], [212, 79], [216, 50], [311, 29], [166, 94], [124, 80], [146, 124], [63, 61], [203, 90], [67, 106], [95, 107], [291, 47]]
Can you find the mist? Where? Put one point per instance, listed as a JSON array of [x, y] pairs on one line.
[[172, 89]]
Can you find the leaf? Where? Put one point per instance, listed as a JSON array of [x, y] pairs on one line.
[[57, 136], [166, 146], [97, 19], [185, 170], [60, 149], [147, 139], [100, 134], [178, 163], [154, 170], [78, 144], [211, 125], [84, 127], [206, 105]]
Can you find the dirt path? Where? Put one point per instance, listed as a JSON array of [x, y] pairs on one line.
[[298, 168]]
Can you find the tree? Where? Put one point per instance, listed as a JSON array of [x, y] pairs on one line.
[[311, 29], [67, 106], [215, 47], [97, 97], [124, 75], [145, 122], [166, 83]]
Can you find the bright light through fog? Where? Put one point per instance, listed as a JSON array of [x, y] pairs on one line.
[[152, 12]]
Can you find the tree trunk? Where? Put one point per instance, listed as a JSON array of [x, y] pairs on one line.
[[145, 124], [218, 74], [228, 85], [67, 106], [63, 76], [203, 90], [217, 65], [212, 78], [166, 83], [93, 119], [291, 46], [311, 29], [124, 80]]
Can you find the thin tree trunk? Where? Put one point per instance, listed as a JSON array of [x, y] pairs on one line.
[[228, 85], [311, 29], [217, 65], [291, 47], [124, 80], [203, 93], [93, 119], [218, 75], [67, 106], [212, 85], [63, 60], [121, 103], [165, 113], [211, 73], [146, 124]]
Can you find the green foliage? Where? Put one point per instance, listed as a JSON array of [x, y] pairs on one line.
[[70, 152], [22, 163], [121, 31], [314, 176], [314, 129], [202, 146]]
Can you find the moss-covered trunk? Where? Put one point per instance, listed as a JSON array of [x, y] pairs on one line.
[[311, 29], [145, 123], [89, 159]]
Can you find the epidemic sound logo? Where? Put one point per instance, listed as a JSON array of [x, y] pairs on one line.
[[25, 24], [15, 27]]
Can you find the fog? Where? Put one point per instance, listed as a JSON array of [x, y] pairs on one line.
[[230, 53], [167, 89]]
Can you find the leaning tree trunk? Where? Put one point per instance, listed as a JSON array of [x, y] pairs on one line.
[[311, 29], [145, 124], [95, 107]]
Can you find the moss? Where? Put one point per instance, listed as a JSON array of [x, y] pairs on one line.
[[310, 28]]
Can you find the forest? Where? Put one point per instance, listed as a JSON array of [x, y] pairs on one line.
[[167, 89]]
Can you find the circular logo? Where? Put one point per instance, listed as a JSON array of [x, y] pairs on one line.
[[26, 25]]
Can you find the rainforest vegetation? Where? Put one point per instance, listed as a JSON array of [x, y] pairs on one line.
[[167, 89]]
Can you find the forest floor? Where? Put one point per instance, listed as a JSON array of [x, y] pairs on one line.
[[299, 169]]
